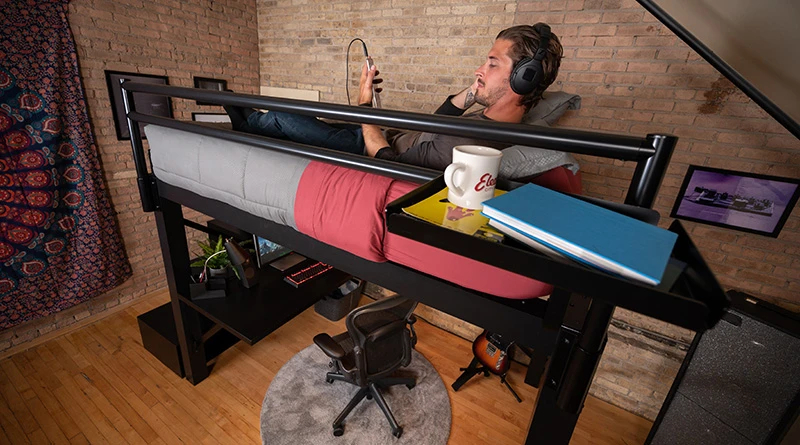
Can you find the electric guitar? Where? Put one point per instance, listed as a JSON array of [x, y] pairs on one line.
[[493, 352]]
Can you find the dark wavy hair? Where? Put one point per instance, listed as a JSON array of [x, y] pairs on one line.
[[525, 41]]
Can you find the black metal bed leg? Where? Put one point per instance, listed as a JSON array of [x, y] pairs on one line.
[[569, 375], [544, 344], [172, 236], [550, 424]]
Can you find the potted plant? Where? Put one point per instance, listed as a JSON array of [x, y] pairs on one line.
[[213, 261]]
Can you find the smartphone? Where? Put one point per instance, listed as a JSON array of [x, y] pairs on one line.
[[376, 101]]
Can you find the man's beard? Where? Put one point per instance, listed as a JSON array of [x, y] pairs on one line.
[[489, 97]]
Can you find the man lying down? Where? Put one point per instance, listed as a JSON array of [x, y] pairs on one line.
[[503, 101]]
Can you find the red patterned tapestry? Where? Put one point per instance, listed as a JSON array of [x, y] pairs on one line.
[[59, 242]]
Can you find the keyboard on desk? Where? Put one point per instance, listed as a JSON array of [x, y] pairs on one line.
[[303, 275]]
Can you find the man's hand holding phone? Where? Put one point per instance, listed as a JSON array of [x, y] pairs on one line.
[[368, 92]]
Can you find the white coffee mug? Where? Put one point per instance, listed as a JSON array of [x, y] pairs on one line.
[[472, 175]]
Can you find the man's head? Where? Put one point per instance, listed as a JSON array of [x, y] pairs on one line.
[[511, 46]]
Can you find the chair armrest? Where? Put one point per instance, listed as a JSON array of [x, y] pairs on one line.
[[411, 320], [329, 346]]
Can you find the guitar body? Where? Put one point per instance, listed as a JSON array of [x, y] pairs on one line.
[[493, 352]]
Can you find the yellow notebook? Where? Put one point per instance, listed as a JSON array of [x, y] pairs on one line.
[[436, 209]]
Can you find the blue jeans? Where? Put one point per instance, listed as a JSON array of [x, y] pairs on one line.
[[308, 130]]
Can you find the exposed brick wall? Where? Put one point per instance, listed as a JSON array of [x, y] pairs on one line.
[[424, 49], [178, 39], [635, 77]]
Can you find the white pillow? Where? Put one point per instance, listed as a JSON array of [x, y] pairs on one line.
[[552, 106]]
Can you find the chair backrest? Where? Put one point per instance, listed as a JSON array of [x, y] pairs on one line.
[[381, 336]]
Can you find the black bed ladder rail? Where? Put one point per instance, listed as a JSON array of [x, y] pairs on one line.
[[647, 177]]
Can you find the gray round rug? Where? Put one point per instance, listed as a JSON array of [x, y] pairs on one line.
[[299, 407]]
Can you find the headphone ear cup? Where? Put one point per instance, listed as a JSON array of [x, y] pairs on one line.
[[528, 72], [526, 75]]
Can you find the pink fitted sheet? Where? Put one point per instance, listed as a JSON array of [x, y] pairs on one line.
[[343, 208]]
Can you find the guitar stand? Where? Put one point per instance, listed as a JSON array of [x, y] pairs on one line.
[[473, 369]]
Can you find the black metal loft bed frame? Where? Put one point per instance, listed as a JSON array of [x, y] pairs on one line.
[[568, 332]]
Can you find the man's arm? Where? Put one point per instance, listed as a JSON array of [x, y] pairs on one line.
[[466, 98], [436, 153], [374, 140]]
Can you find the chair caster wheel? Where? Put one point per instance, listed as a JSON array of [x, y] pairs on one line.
[[411, 386], [369, 396], [328, 380], [338, 431], [398, 432]]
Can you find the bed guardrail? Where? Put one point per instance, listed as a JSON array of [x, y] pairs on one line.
[[651, 153]]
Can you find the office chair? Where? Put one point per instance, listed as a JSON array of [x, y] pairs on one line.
[[378, 342]]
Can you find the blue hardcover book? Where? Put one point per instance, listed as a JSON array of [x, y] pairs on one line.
[[592, 234]]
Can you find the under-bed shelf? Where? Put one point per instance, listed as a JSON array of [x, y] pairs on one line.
[[252, 314], [694, 299], [519, 320]]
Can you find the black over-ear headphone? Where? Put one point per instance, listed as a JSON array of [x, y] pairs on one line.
[[528, 72]]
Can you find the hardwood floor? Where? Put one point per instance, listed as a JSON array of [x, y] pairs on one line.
[[98, 385]]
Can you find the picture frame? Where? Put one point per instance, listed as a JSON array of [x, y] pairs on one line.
[[748, 202], [154, 104], [211, 117], [208, 83]]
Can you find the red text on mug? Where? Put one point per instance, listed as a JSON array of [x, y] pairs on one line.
[[486, 181]]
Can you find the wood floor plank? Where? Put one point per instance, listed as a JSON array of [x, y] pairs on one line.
[[76, 407], [10, 426], [168, 409], [38, 437], [15, 402], [39, 374], [159, 381], [3, 436], [113, 404], [76, 388], [79, 439], [111, 390], [78, 415], [125, 379], [109, 383], [41, 404], [88, 381], [204, 402]]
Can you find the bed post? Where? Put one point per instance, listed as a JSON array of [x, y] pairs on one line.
[[144, 179], [172, 235], [580, 344]]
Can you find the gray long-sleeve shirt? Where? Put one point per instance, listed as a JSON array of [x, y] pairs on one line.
[[430, 149]]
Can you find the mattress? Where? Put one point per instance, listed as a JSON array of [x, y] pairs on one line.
[[335, 205]]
